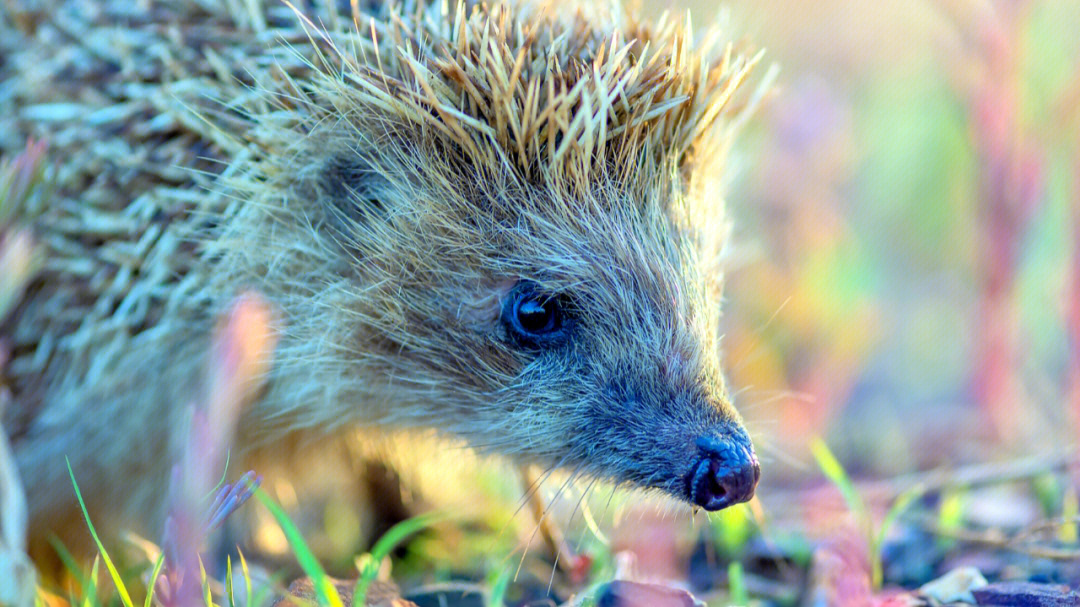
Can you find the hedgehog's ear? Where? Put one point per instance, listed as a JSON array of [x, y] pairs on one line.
[[352, 194]]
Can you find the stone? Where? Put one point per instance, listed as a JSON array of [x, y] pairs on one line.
[[634, 594], [955, 586], [1026, 594]]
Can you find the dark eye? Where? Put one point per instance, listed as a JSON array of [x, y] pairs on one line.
[[533, 318]]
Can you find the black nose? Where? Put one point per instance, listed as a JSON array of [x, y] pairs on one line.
[[725, 474]]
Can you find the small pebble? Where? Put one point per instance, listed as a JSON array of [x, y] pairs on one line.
[[453, 594], [380, 594], [633, 594], [955, 586]]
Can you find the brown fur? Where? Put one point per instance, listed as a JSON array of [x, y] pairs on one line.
[[385, 181]]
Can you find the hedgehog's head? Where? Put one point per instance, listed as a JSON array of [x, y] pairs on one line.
[[534, 235]]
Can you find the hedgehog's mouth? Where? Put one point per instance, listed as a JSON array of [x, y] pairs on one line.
[[725, 473]]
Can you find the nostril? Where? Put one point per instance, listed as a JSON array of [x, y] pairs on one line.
[[716, 489]]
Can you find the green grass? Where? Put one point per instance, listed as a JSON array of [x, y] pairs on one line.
[[153, 581], [113, 573], [325, 592], [89, 592], [499, 583], [732, 528], [737, 584], [369, 563], [874, 534]]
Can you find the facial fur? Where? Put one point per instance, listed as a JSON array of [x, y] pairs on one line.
[[440, 186]]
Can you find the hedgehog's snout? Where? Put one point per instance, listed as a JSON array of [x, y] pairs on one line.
[[725, 473]]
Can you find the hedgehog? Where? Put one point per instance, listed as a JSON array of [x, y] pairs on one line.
[[502, 221]]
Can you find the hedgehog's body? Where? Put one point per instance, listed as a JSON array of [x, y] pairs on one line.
[[500, 223]]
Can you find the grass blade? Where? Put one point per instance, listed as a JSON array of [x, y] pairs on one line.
[[498, 588], [399, 532], [152, 584], [736, 584], [90, 597], [898, 507], [229, 593], [836, 474], [324, 590], [113, 573], [247, 577], [69, 563], [209, 600], [370, 562]]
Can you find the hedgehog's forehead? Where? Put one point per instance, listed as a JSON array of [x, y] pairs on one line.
[[622, 247], [646, 218], [549, 92]]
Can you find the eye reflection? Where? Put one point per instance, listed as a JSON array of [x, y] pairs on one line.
[[533, 318]]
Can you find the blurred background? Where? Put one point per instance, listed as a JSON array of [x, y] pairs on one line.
[[905, 280]]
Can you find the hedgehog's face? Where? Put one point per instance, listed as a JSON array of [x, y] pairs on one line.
[[615, 333], [572, 333], [509, 184]]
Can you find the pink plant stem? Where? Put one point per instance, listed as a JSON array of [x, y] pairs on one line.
[[1072, 312], [238, 361], [1011, 176]]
